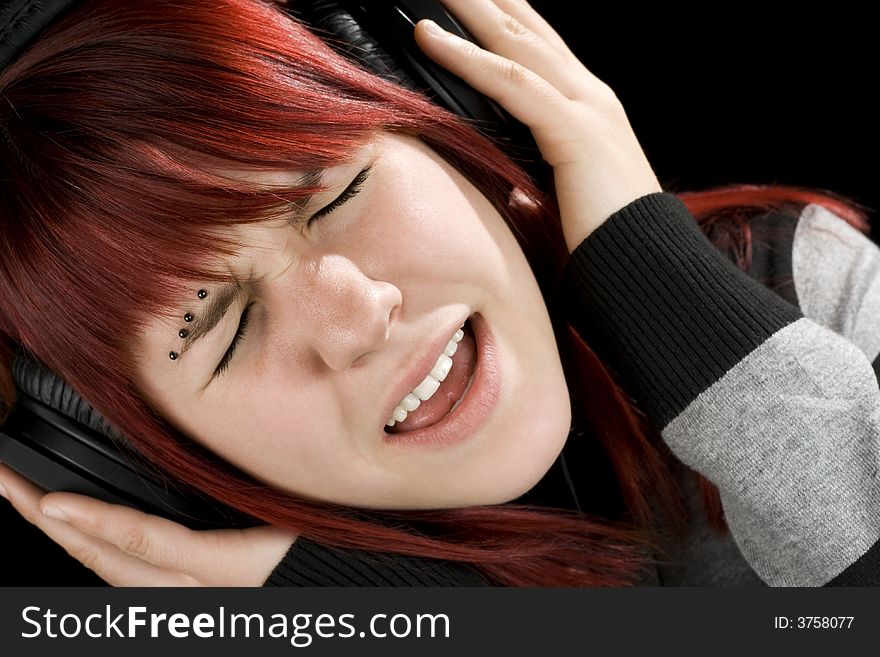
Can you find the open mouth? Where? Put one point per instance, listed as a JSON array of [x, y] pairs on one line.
[[451, 390]]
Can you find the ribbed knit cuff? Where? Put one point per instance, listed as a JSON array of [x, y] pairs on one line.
[[309, 564], [663, 307]]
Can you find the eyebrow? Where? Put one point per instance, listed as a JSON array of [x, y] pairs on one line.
[[311, 178], [225, 295], [208, 316]]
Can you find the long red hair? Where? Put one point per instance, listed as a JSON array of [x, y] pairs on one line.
[[113, 126]]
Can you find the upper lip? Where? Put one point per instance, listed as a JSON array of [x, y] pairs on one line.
[[424, 358]]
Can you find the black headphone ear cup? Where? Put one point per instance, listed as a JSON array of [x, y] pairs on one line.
[[378, 35], [34, 379], [344, 33], [60, 442]]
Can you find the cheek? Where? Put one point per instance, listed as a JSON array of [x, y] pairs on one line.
[[445, 235], [273, 435]]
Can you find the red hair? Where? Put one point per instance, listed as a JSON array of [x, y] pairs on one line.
[[114, 125]]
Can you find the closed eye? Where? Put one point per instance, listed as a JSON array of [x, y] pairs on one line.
[[352, 190], [354, 187], [239, 333]]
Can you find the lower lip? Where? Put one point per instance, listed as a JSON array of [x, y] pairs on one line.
[[475, 406]]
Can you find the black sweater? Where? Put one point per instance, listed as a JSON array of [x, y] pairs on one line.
[[763, 381]]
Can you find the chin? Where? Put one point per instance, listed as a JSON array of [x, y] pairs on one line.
[[517, 467], [541, 433]]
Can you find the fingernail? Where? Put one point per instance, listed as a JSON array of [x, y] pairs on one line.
[[3, 492], [54, 512], [433, 28]]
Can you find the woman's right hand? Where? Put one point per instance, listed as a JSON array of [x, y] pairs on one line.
[[126, 547], [578, 122]]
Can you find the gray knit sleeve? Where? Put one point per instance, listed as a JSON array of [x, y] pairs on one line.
[[779, 411]]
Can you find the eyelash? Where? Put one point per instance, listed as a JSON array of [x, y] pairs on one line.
[[350, 192], [239, 333]]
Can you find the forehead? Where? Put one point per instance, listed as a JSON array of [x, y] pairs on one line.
[[307, 177], [256, 239]]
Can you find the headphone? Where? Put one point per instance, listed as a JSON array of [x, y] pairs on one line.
[[54, 438]]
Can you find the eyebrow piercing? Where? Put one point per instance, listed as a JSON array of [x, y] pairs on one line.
[[188, 317]]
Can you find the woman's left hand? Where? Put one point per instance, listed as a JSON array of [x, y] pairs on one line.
[[578, 122], [126, 547]]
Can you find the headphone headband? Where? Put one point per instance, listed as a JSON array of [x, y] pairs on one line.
[[20, 23]]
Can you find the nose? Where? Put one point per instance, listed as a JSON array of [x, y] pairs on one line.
[[347, 314]]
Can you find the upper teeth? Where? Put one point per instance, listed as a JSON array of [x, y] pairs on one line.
[[426, 389]]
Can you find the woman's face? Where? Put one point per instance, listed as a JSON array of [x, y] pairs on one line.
[[350, 315]]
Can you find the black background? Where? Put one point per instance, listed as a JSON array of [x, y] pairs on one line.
[[715, 97]]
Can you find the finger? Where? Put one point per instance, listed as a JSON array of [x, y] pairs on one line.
[[108, 562], [523, 93], [158, 541], [21, 493], [525, 14], [520, 10], [503, 34], [154, 540], [227, 557]]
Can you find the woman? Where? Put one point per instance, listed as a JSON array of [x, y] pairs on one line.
[[356, 234]]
